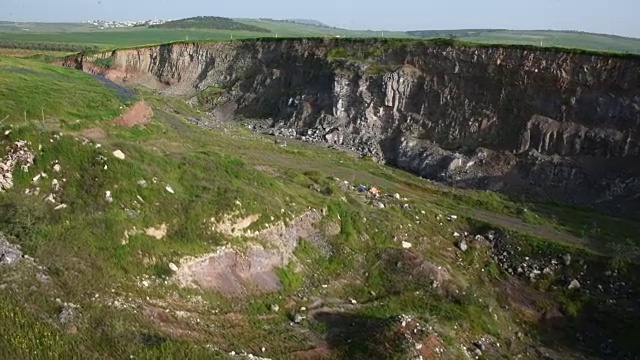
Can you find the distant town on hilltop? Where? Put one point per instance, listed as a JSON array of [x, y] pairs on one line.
[[109, 24]]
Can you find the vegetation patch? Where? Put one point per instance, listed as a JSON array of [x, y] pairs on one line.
[[104, 62]]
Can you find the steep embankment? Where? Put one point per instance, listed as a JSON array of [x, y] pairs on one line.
[[546, 123]]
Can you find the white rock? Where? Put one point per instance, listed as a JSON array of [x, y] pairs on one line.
[[574, 284], [406, 245], [119, 154], [60, 207], [36, 179], [55, 185], [462, 245], [51, 198], [107, 196], [57, 167], [7, 132], [396, 196], [169, 189], [353, 301], [456, 234], [173, 267]]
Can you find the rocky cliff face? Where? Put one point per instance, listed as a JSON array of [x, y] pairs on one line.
[[552, 124]]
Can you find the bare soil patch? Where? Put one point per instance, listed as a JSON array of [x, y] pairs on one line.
[[138, 114], [235, 272]]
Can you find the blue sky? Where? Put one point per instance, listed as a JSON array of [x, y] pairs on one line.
[[605, 16]]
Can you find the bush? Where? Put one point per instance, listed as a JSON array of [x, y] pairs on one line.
[[20, 220], [291, 279], [104, 62]]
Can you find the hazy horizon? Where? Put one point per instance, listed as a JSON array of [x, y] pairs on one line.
[[617, 17]]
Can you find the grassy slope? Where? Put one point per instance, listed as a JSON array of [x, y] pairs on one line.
[[81, 246], [59, 92]]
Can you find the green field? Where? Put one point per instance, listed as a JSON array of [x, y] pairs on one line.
[[44, 36], [568, 39]]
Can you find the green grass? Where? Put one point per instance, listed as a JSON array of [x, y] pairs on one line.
[[37, 89], [81, 247], [290, 279]]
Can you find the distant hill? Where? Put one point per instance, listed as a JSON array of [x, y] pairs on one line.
[[210, 22], [292, 28]]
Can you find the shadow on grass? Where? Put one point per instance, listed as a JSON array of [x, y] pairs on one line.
[[354, 336], [597, 330]]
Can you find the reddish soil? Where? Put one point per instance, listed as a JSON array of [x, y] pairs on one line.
[[138, 114]]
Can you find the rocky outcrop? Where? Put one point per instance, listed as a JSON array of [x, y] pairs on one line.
[[547, 123]]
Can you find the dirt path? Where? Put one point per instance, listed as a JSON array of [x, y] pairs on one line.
[[544, 232]]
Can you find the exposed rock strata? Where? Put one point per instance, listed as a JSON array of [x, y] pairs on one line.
[[552, 124]]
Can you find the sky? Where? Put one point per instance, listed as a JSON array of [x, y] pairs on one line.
[[617, 17]]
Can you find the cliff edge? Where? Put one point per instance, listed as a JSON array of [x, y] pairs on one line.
[[543, 123]]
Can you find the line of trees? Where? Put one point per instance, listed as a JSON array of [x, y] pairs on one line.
[[451, 33], [45, 46]]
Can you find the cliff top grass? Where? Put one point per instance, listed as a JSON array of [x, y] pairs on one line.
[[35, 88], [339, 46], [43, 36]]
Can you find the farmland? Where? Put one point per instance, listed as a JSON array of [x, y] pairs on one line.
[[69, 37]]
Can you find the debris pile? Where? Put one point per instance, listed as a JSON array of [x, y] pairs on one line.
[[422, 341], [379, 199], [9, 253], [18, 153]]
